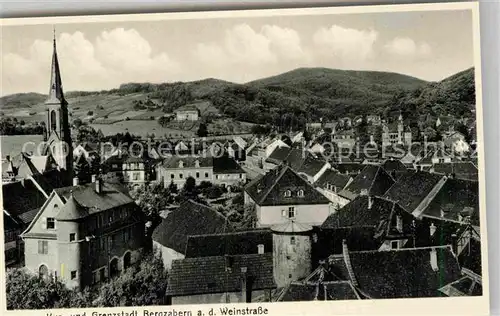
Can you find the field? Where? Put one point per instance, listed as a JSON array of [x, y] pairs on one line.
[[142, 128]]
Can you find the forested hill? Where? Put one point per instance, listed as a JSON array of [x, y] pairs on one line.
[[300, 95]]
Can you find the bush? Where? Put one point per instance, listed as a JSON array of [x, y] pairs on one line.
[[127, 118], [90, 113]]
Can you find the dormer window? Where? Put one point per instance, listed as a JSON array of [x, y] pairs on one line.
[[196, 164], [300, 193], [181, 164], [288, 193]]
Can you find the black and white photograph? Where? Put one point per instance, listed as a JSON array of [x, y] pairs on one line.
[[243, 161]]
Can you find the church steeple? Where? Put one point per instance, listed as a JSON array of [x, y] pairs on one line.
[[56, 94], [58, 135]]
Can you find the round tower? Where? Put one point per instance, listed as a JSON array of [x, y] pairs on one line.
[[291, 252], [69, 243]]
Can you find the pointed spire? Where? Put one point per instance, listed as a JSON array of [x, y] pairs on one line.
[[55, 91]]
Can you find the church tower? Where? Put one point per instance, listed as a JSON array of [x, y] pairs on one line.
[[58, 134]]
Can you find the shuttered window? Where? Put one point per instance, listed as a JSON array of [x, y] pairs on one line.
[[43, 247]]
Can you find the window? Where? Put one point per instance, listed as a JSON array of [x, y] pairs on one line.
[[51, 223], [43, 247], [287, 257], [197, 175], [110, 218], [114, 166], [102, 274], [73, 275], [241, 176], [291, 212], [72, 237], [288, 193], [216, 176], [103, 244], [181, 175], [135, 176], [300, 193], [289, 276], [126, 235], [206, 174], [394, 244], [94, 277], [292, 240]]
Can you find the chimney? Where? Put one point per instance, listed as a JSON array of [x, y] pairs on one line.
[[432, 229], [363, 192], [260, 249], [370, 202], [434, 262], [244, 285], [75, 181], [98, 185]]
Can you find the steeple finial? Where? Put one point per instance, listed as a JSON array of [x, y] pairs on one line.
[[55, 91]]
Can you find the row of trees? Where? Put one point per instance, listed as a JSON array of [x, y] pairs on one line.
[[140, 285], [10, 126]]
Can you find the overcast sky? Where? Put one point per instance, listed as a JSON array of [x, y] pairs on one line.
[[97, 56]]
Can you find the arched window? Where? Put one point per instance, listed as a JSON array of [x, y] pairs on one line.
[[300, 193], [113, 266], [43, 271], [127, 260], [53, 120], [288, 193]]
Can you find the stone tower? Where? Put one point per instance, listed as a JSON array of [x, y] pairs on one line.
[[291, 252], [58, 134], [69, 244]]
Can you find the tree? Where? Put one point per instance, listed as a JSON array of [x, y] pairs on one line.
[[190, 187], [89, 113], [152, 200], [77, 123], [202, 130], [29, 291], [173, 187], [82, 169]]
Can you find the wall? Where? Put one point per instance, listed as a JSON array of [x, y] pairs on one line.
[[167, 255], [186, 115], [229, 178], [337, 200], [291, 262], [186, 172], [212, 298], [308, 214]]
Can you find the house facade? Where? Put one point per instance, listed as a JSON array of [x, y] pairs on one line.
[[177, 169], [282, 195], [396, 134], [187, 113], [82, 244]]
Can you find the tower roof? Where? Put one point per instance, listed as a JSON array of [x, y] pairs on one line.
[[291, 227], [56, 94], [71, 211]]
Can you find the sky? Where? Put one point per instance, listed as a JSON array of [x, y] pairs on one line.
[[428, 45]]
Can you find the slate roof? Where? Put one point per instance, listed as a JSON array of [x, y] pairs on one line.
[[461, 170], [352, 168], [357, 214], [72, 211], [411, 189], [22, 199], [328, 291], [334, 178], [404, 273], [372, 178], [111, 196], [187, 107], [470, 257], [225, 165], [234, 243], [188, 162], [270, 188], [456, 197], [220, 274], [466, 286], [394, 165], [279, 155], [190, 218]]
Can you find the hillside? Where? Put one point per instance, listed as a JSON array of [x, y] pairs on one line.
[[286, 100], [454, 95]]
